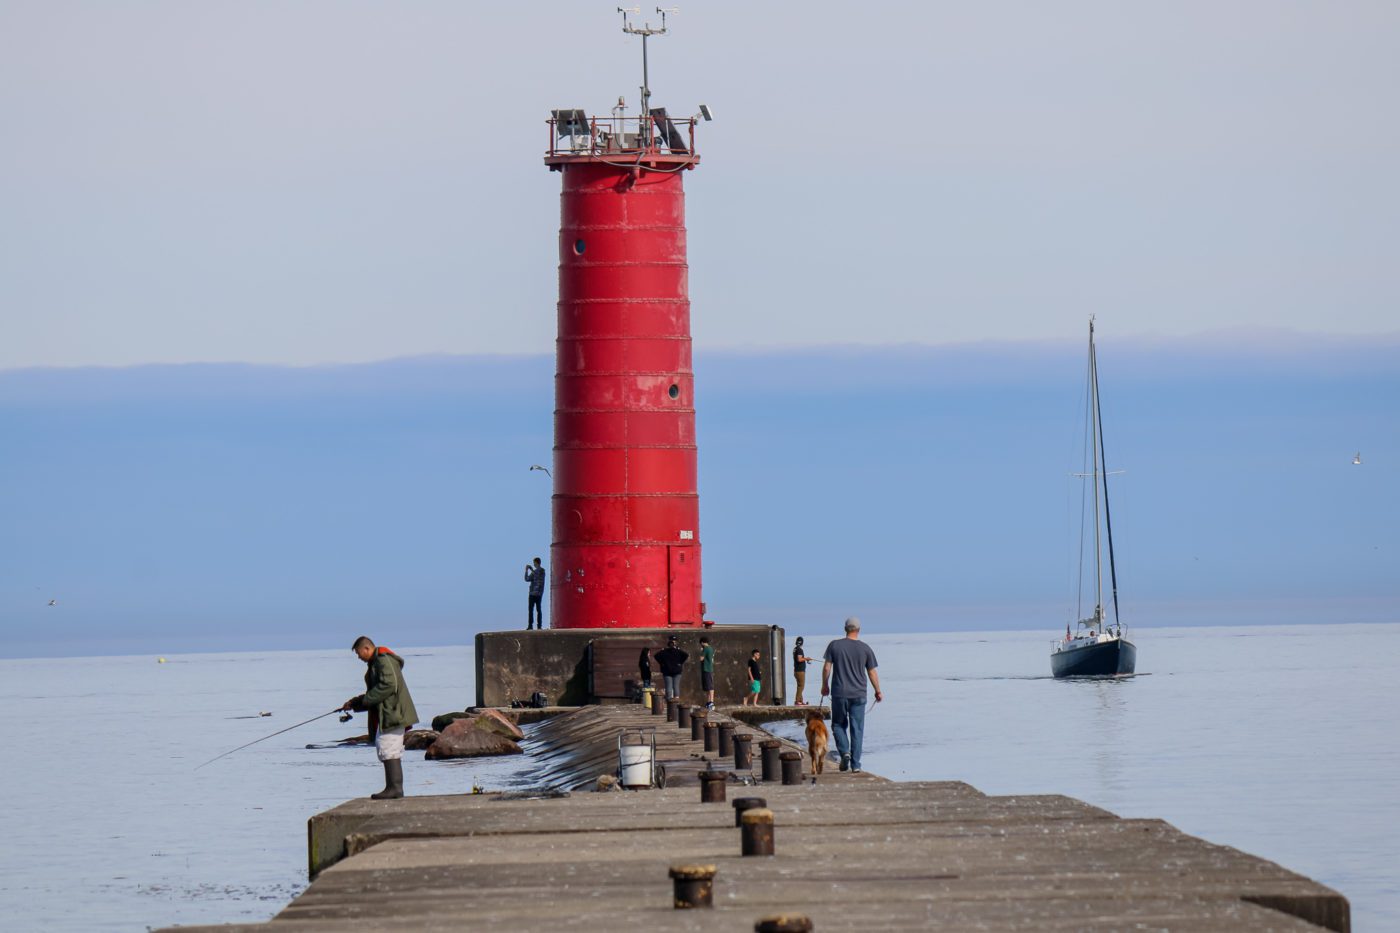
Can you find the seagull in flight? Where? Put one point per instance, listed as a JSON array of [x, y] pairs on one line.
[[53, 602], [1356, 460], [536, 466]]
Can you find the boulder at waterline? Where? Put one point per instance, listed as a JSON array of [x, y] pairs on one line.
[[465, 739], [419, 739]]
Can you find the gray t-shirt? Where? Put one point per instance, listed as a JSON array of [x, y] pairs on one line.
[[850, 658]]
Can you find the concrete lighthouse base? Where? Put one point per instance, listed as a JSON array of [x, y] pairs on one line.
[[577, 667]]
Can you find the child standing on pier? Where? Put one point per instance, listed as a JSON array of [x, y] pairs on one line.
[[755, 678], [707, 671]]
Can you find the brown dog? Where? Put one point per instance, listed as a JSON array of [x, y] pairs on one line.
[[817, 736]]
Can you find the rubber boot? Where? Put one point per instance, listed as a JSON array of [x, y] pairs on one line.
[[393, 781]]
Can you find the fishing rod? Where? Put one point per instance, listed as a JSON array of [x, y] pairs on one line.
[[345, 718]]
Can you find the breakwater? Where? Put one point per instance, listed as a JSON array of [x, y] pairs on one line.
[[850, 852]]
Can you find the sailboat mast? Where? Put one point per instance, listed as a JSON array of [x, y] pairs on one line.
[[1107, 514], [1094, 433]]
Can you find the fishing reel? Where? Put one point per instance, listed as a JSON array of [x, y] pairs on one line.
[[346, 716]]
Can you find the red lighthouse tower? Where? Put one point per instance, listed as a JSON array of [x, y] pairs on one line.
[[626, 511], [625, 552]]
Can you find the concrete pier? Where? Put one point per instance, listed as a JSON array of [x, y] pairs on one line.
[[851, 852]]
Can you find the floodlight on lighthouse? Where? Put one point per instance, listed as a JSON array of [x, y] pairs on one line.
[[705, 112], [571, 122]]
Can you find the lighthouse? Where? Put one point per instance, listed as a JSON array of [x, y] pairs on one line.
[[625, 544], [625, 564]]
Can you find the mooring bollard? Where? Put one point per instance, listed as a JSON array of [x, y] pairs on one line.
[[769, 750], [742, 804], [756, 831], [726, 739], [693, 885], [697, 724], [743, 752], [672, 704], [711, 735], [655, 703], [792, 767], [783, 923], [712, 786], [683, 716]]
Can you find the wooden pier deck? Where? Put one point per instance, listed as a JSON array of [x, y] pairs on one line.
[[853, 852]]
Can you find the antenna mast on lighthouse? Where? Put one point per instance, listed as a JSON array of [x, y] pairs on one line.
[[646, 31]]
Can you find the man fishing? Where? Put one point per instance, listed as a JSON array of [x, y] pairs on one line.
[[391, 712]]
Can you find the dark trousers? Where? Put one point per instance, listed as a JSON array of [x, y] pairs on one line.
[[534, 615], [848, 725]]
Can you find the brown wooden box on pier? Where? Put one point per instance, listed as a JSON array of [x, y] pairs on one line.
[[852, 852]]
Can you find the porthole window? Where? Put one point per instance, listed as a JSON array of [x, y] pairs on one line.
[[579, 247], [674, 391]]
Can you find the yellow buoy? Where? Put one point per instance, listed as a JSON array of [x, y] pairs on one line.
[[160, 660]]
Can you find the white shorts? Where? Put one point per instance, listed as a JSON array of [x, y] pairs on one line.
[[389, 743]]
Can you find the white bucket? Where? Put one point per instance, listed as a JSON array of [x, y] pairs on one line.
[[634, 765]]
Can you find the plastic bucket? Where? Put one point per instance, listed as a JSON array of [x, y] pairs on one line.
[[634, 765]]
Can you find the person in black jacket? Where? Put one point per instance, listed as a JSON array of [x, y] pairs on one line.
[[644, 667], [534, 614], [672, 661]]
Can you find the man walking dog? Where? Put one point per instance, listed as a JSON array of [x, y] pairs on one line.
[[390, 707], [849, 662]]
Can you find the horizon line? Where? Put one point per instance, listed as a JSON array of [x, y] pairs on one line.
[[1268, 340]]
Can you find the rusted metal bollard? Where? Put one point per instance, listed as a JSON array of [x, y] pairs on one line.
[[694, 885], [783, 923], [671, 705], [743, 752], [656, 709], [711, 735], [772, 765], [697, 724], [742, 804], [712, 786], [792, 767], [756, 831], [683, 716], [726, 739]]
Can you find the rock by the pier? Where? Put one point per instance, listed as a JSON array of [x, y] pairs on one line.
[[501, 724], [446, 719], [419, 739], [467, 738]]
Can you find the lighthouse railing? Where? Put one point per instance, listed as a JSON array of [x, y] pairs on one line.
[[623, 136]]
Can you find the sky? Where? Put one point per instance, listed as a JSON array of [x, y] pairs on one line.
[[277, 288], [349, 181]]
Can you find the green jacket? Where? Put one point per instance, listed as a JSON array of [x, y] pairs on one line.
[[386, 695]]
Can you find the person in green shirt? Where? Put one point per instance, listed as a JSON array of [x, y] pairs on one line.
[[707, 671]]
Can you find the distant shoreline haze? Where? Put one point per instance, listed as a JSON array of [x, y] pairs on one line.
[[201, 506]]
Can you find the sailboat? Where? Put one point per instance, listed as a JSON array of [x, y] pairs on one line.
[[1095, 648]]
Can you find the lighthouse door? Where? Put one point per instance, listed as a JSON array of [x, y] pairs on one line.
[[682, 584]]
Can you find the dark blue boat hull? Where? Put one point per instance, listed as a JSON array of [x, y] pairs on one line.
[[1104, 659]]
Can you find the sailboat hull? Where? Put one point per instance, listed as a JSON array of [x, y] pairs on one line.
[[1103, 659]]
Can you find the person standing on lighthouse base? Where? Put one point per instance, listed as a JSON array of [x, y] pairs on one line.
[[849, 664], [534, 615]]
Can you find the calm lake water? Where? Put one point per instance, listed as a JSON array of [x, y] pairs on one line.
[[1280, 741]]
